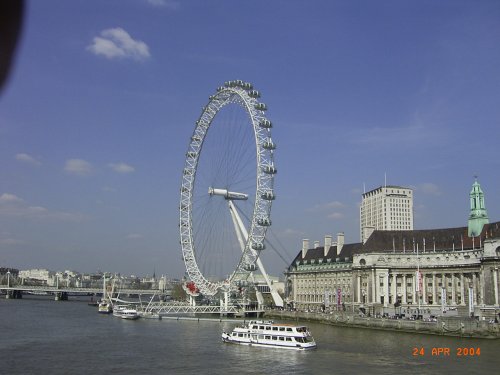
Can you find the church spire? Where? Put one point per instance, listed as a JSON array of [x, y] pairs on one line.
[[478, 216]]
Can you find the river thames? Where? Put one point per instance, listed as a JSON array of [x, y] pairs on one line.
[[41, 336]]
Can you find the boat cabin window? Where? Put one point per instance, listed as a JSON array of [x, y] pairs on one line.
[[288, 339], [275, 338], [240, 334], [261, 327], [255, 327], [275, 328], [268, 337], [282, 328], [301, 329], [282, 338], [268, 328], [235, 334]]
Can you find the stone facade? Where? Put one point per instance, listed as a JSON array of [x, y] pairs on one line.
[[379, 280]]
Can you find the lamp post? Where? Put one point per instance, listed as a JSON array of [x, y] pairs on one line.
[[8, 278]]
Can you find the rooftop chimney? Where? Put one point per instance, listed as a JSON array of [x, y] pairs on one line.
[[328, 244], [305, 247], [340, 241]]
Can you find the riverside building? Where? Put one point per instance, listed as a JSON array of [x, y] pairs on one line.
[[450, 271]]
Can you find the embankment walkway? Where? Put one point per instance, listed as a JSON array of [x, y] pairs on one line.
[[450, 326]]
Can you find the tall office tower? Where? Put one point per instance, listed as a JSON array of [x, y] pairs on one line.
[[386, 208]]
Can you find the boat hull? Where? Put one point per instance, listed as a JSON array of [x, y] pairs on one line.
[[267, 343]]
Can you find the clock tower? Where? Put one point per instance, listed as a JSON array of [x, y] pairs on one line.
[[478, 216]]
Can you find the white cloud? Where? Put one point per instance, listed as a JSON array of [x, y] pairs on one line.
[[171, 4], [117, 43], [25, 158], [121, 167], [13, 206], [9, 198], [78, 167]]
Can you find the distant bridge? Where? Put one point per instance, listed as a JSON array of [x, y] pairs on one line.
[[39, 289]]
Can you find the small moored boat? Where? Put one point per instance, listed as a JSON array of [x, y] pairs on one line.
[[105, 307], [125, 312], [268, 333], [130, 314]]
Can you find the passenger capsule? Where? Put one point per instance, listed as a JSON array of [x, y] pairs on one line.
[[220, 88], [254, 94], [247, 86], [269, 169], [260, 106], [249, 268], [266, 124], [269, 145], [268, 196], [196, 138], [264, 221], [258, 246]]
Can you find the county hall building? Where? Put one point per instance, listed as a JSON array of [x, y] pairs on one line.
[[395, 269]]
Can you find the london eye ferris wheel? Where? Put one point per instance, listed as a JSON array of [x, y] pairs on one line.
[[227, 189]]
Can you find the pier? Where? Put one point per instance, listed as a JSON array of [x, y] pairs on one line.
[[160, 309]]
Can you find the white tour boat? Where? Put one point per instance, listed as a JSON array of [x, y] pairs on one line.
[[268, 333], [125, 312], [130, 314]]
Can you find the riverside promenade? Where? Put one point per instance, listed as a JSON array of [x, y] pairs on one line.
[[450, 326]]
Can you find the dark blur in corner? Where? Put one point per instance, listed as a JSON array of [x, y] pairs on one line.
[[11, 19]]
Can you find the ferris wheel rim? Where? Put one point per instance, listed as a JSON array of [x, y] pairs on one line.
[[240, 93]]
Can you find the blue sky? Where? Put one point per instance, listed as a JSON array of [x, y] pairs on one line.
[[96, 118]]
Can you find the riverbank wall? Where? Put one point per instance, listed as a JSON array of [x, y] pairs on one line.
[[454, 326]]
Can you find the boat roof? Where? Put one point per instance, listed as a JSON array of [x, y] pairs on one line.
[[270, 322]]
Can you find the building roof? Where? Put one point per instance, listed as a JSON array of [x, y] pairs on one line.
[[441, 239], [387, 187], [445, 239]]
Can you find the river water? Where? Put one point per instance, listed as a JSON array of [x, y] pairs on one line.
[[42, 336]]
